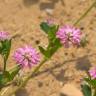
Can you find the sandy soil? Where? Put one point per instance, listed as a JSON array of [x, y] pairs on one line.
[[22, 18]]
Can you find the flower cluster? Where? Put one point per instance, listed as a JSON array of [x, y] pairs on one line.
[[50, 22], [26, 56], [4, 36], [92, 73], [69, 35]]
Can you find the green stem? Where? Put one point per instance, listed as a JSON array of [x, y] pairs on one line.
[[4, 65], [87, 11], [28, 77], [35, 71]]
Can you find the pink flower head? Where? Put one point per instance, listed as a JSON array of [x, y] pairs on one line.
[[26, 56], [69, 35], [50, 22], [4, 36], [92, 73]]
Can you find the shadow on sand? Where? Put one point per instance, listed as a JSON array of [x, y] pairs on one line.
[[43, 5]]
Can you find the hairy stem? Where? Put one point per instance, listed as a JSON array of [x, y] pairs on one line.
[[85, 14], [35, 71], [4, 65]]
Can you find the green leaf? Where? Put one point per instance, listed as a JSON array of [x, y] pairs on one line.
[[51, 49], [5, 51], [52, 32], [0, 47], [45, 27], [4, 78], [1, 79], [46, 53], [91, 82], [86, 90], [8, 76], [6, 46], [14, 71], [42, 50], [56, 45], [57, 42]]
